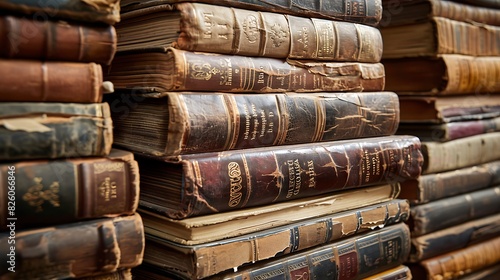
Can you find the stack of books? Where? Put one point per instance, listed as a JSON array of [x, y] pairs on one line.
[[67, 200], [443, 59], [264, 138]]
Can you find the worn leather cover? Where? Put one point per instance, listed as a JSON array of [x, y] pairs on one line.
[[56, 40], [71, 250]]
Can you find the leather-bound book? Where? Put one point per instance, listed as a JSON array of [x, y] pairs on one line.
[[81, 249], [220, 29], [62, 191], [32, 130], [56, 40], [195, 122], [156, 72], [401, 272]]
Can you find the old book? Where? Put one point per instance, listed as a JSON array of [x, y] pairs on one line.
[[214, 227], [56, 40], [454, 238], [54, 130], [164, 70], [489, 273], [195, 122], [444, 75], [366, 12], [73, 250], [416, 11], [459, 153], [52, 81], [459, 263], [449, 131], [452, 211], [482, 3], [212, 28], [401, 272], [438, 36], [434, 186], [203, 260], [206, 183], [443, 109], [61, 191], [97, 11], [122, 274]]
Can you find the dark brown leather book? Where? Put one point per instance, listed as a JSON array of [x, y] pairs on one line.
[[195, 122], [212, 28], [97, 11], [416, 11], [459, 263], [443, 109], [56, 40], [449, 131], [62, 191], [198, 184], [454, 238], [452, 211], [366, 12], [161, 71], [73, 250], [207, 259], [438, 36], [54, 130], [431, 187], [444, 75], [50, 81]]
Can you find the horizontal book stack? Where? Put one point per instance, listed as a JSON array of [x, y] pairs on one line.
[[264, 138], [67, 199], [443, 60]]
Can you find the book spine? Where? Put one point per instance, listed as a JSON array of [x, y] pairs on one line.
[[249, 177], [465, 13], [462, 262], [75, 249], [199, 122], [96, 11], [206, 28], [478, 149], [122, 274], [69, 136], [50, 81], [353, 258], [431, 187], [56, 40], [210, 259], [401, 272], [215, 72], [62, 191], [447, 212]]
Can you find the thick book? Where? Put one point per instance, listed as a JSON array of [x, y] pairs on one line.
[[366, 12], [50, 81], [452, 211], [72, 250], [460, 153], [95, 11], [56, 40], [207, 259], [53, 192], [196, 122], [449, 131], [459, 263], [159, 71], [439, 36], [445, 74], [401, 272], [417, 11], [32, 130], [218, 226], [454, 238], [206, 183], [434, 186], [443, 109], [212, 28]]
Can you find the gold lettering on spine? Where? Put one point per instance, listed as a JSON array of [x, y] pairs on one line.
[[107, 189], [207, 21], [235, 180], [294, 178]]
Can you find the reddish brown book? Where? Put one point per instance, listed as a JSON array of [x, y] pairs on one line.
[[76, 82], [27, 38]]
